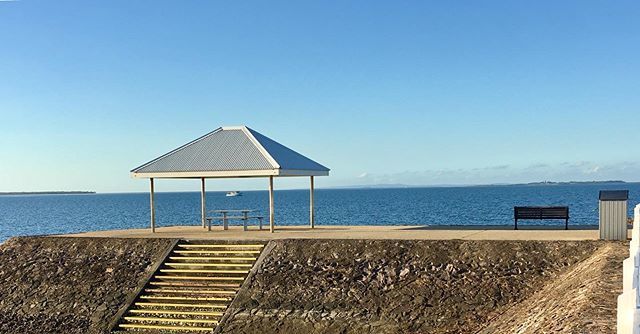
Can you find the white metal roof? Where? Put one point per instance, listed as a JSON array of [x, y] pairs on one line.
[[230, 151]]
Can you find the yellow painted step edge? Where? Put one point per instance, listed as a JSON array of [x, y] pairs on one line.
[[202, 278], [219, 246], [222, 299], [211, 314], [186, 291], [183, 328], [180, 305], [200, 264], [214, 258], [159, 319], [182, 284], [204, 271], [215, 252]]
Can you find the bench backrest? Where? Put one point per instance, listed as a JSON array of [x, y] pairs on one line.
[[541, 212]]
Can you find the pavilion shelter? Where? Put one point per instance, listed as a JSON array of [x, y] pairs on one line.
[[231, 152]]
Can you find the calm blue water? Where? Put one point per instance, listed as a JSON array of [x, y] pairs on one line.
[[52, 214]]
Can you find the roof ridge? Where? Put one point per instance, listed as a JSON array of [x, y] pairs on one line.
[[280, 153], [177, 149], [249, 133]]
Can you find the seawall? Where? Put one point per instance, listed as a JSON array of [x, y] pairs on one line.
[[359, 286], [70, 285], [76, 285]]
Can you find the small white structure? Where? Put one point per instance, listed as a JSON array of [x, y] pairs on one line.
[[613, 214], [628, 320], [231, 152]]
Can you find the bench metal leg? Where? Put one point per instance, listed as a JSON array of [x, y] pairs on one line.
[[566, 224], [225, 224], [516, 225], [260, 222], [209, 224]]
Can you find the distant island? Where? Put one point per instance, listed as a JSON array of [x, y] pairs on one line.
[[533, 184], [13, 193], [551, 183]]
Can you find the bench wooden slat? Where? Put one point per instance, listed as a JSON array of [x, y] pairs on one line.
[[236, 217], [541, 212], [227, 217]]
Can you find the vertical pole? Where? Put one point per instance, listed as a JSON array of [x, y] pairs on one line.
[[203, 202], [153, 208], [311, 213], [271, 216]]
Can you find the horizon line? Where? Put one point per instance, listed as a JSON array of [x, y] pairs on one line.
[[348, 187]]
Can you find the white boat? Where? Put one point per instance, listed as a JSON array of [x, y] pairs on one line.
[[233, 193]]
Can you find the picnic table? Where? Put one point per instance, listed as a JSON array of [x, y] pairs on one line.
[[245, 217]]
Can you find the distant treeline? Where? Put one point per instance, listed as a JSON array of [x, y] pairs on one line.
[[46, 192], [573, 182]]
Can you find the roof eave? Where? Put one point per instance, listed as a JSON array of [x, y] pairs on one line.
[[298, 172], [229, 174]]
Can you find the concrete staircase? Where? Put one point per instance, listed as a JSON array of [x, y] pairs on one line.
[[190, 291]]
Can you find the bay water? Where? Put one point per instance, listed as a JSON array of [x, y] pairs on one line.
[[467, 206]]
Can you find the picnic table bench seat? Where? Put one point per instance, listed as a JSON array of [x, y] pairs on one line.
[[225, 218]]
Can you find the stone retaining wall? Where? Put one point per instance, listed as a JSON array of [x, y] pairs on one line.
[[70, 285], [76, 285], [378, 286]]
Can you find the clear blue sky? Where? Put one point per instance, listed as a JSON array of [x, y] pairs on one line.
[[416, 92]]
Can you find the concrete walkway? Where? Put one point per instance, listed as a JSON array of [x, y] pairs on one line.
[[355, 232]]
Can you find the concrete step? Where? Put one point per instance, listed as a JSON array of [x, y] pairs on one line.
[[166, 327], [170, 312], [217, 252], [212, 258], [199, 278], [237, 246], [195, 284], [172, 320], [191, 289], [201, 264], [181, 305]]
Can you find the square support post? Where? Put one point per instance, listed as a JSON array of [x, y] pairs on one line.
[[271, 215], [245, 220], [203, 202], [152, 208], [311, 209]]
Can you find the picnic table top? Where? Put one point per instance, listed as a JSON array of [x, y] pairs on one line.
[[223, 211]]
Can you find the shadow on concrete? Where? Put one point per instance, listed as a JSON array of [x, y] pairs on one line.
[[502, 227], [308, 229]]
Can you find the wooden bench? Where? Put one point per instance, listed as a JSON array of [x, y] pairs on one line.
[[225, 218], [541, 212]]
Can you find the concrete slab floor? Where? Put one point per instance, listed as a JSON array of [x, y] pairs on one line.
[[356, 232]]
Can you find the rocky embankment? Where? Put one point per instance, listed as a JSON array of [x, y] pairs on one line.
[[70, 285], [582, 299], [76, 285], [357, 286]]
